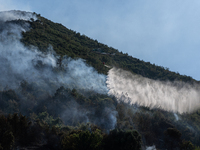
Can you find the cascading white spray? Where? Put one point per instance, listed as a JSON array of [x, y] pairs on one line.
[[134, 89]]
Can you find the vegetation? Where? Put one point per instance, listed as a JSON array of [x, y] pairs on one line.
[[30, 117], [67, 42], [53, 121], [42, 121]]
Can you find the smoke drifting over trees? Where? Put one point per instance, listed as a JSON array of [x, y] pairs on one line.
[[22, 66], [19, 63], [69, 100], [47, 87]]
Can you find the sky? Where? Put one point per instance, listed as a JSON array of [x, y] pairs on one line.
[[165, 33]]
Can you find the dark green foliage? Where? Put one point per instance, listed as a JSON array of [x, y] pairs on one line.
[[155, 126], [158, 127], [8, 140], [14, 129], [95, 140], [186, 145], [84, 140], [173, 133], [1, 148], [68, 42], [60, 120], [172, 138], [119, 140], [17, 131], [9, 101]]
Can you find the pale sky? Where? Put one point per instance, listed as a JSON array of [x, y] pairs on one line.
[[162, 32]]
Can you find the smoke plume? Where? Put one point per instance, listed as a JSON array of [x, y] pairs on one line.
[[48, 72], [151, 147], [134, 89], [14, 15], [18, 63]]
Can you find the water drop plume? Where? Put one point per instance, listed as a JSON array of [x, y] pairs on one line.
[[170, 96]]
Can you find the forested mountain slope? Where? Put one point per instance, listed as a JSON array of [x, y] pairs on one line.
[[68, 42], [58, 101]]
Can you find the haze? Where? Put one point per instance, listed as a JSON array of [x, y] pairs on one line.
[[162, 32]]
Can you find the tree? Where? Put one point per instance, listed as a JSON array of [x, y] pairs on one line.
[[187, 145], [172, 138], [8, 140], [84, 140], [120, 140]]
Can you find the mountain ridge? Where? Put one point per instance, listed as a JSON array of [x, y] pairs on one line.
[[73, 44], [58, 91]]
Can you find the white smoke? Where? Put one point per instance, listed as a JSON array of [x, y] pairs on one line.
[[151, 147], [134, 89], [15, 15], [47, 71], [176, 116], [19, 63]]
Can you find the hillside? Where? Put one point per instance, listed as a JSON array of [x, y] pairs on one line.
[[68, 42], [55, 100]]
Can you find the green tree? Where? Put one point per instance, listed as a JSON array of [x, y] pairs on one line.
[[8, 140], [172, 138], [120, 140], [187, 145], [84, 140]]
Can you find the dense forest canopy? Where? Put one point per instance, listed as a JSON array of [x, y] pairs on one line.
[[53, 94], [68, 42]]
